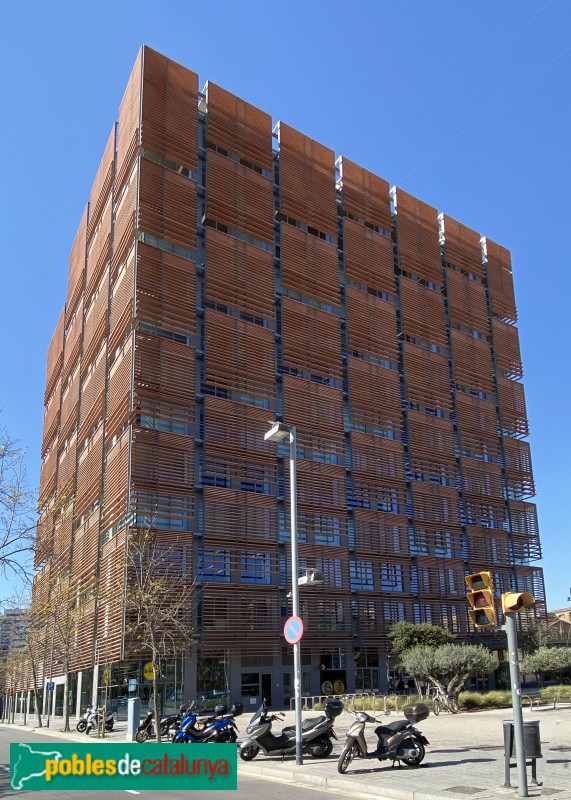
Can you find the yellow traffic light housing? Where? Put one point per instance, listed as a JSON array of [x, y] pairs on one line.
[[481, 598], [512, 602]]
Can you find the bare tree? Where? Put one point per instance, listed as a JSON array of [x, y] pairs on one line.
[[30, 633], [63, 613], [17, 511], [158, 603]]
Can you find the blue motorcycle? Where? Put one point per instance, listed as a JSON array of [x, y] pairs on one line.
[[218, 726]]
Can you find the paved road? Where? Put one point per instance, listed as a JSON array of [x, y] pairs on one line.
[[464, 759], [254, 787]]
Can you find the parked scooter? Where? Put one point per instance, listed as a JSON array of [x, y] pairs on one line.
[[316, 735], [397, 741], [216, 727], [82, 721], [94, 719], [146, 729]]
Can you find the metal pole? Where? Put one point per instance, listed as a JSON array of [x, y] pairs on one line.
[[516, 704], [295, 590], [50, 692]]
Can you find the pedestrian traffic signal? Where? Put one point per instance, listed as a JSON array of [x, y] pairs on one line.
[[512, 602], [481, 598]]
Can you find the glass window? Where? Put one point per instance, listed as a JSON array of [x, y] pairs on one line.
[[213, 565], [255, 567]]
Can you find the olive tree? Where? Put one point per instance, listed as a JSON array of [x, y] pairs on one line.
[[449, 666], [405, 635], [548, 659]]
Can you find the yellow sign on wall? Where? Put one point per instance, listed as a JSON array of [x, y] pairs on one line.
[[148, 671]]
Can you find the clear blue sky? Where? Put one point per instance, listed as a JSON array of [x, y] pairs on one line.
[[463, 104]]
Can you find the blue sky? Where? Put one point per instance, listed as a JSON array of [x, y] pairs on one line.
[[463, 104]]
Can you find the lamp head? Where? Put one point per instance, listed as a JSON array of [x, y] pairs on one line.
[[277, 432]]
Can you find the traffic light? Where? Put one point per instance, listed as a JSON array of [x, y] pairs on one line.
[[481, 598], [512, 602]]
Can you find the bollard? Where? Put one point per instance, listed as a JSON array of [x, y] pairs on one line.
[[133, 717]]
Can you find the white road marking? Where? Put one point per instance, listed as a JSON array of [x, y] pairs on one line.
[[131, 791]]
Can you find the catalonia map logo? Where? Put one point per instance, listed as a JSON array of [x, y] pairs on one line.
[[121, 766]]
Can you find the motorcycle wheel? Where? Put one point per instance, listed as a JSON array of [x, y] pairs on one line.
[[414, 762], [81, 725], [249, 753], [142, 736], [347, 755], [321, 748]]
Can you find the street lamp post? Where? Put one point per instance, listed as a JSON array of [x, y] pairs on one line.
[[278, 433]]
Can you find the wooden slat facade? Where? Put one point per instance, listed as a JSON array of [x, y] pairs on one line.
[[223, 276]]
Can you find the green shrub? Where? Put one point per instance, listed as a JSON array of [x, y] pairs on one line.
[[470, 700]]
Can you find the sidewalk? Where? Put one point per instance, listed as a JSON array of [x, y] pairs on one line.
[[464, 759]]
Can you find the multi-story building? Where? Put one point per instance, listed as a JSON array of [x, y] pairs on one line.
[[227, 272], [13, 627]]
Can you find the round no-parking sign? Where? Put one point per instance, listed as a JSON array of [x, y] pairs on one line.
[[293, 630]]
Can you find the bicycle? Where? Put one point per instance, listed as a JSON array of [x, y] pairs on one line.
[[447, 701]]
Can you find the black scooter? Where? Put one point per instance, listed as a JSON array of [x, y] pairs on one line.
[[397, 741], [146, 729], [316, 734]]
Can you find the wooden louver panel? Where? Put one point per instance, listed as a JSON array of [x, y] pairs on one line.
[[75, 282], [239, 356], [51, 417], [310, 266], [431, 443], [427, 377], [307, 180], [472, 363], [368, 257], [239, 198], [519, 475], [482, 479], [436, 505], [506, 349], [128, 127], [239, 127], [164, 386], [55, 356], [500, 282], [512, 406], [311, 339], [239, 275], [317, 412], [371, 325], [478, 426], [167, 205], [462, 247], [102, 185], [169, 118], [418, 238], [375, 396], [422, 313], [467, 302], [165, 290], [365, 195]]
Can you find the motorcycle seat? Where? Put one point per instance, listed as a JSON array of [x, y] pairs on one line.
[[392, 727], [306, 725]]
